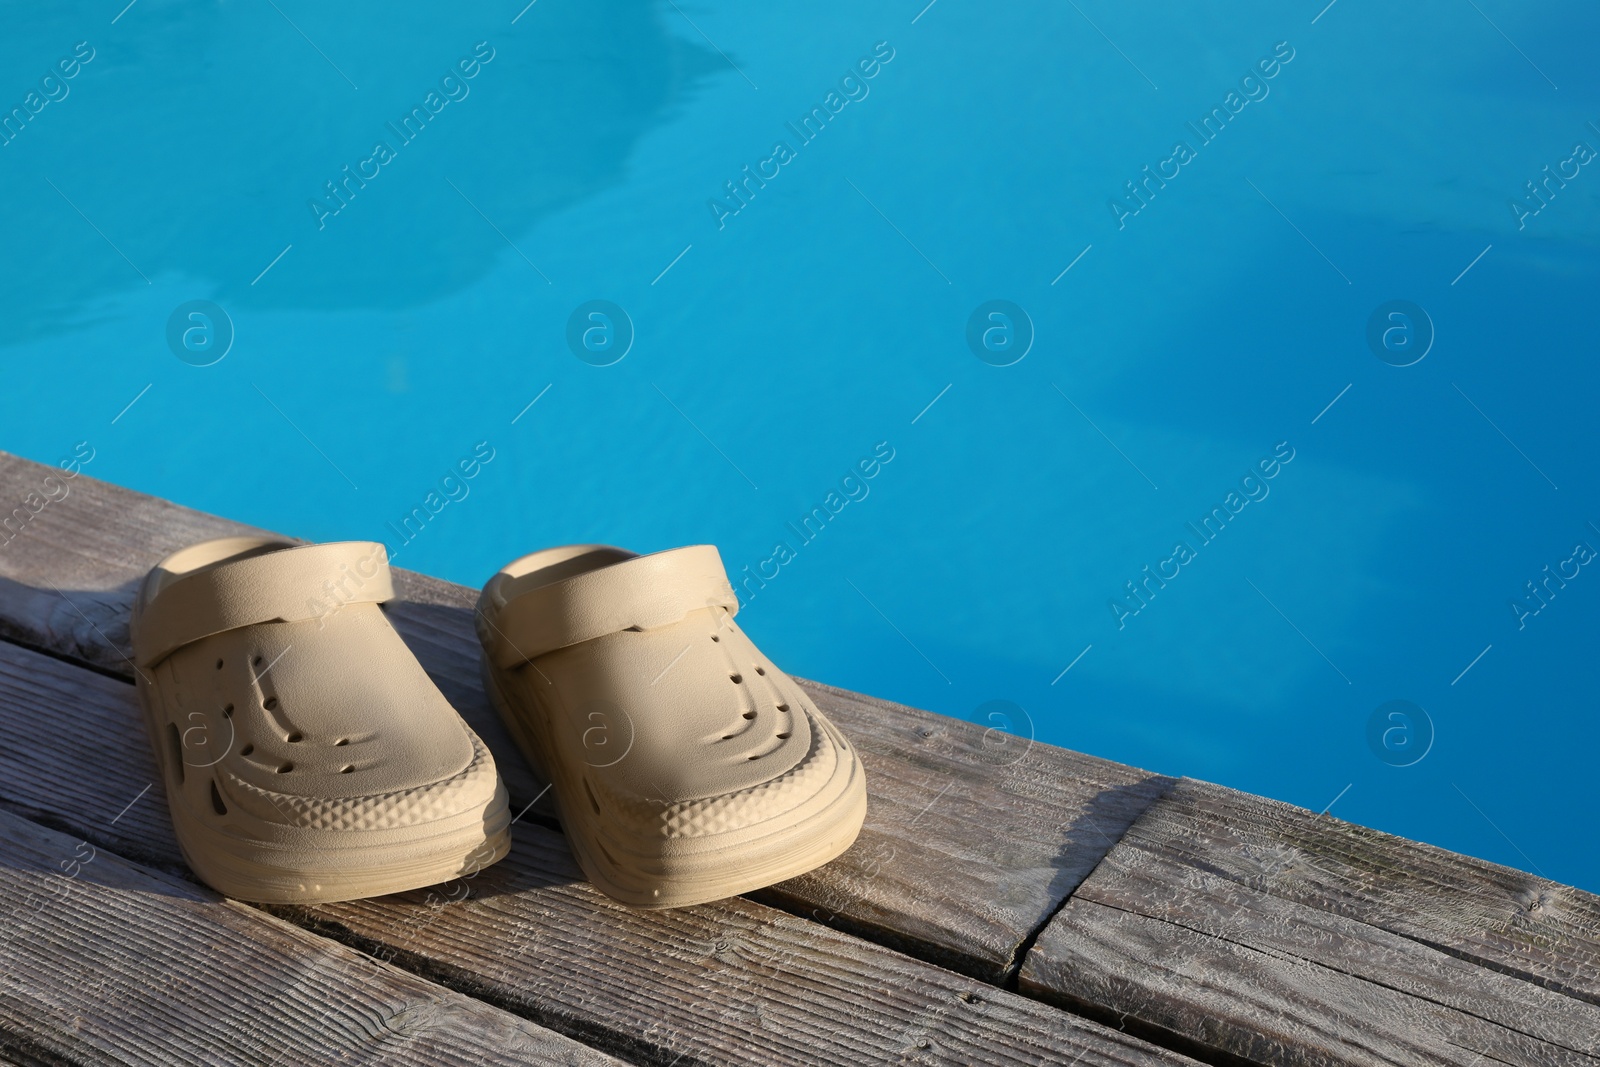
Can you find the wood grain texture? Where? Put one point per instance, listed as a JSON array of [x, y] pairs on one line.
[[106, 962], [1247, 930], [973, 838], [730, 983]]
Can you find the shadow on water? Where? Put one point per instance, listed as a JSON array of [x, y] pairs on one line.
[[196, 138]]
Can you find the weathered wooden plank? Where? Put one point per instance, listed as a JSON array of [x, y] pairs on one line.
[[969, 846], [735, 982], [1235, 926], [106, 962], [732, 982], [966, 837]]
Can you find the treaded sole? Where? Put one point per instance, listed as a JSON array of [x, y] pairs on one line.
[[307, 876]]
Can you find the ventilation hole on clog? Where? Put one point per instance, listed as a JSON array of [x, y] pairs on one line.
[[755, 757], [342, 741], [246, 750], [296, 738], [285, 767], [227, 710], [749, 714], [216, 800], [271, 704], [727, 737], [219, 664], [714, 637], [605, 853], [735, 678], [593, 803], [784, 737], [760, 671], [175, 751], [783, 707], [257, 661], [346, 769]]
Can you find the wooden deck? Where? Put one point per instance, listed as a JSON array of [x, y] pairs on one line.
[[1051, 909]]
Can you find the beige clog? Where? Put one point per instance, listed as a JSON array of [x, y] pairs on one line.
[[306, 754], [687, 767]]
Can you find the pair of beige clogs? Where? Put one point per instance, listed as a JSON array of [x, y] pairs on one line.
[[308, 757]]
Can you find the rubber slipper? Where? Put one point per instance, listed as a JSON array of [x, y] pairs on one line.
[[306, 754], [687, 767]]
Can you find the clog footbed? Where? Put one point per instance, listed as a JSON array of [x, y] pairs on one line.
[[306, 754], [687, 767]]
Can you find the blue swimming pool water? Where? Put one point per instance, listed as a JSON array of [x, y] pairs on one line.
[[1061, 277]]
